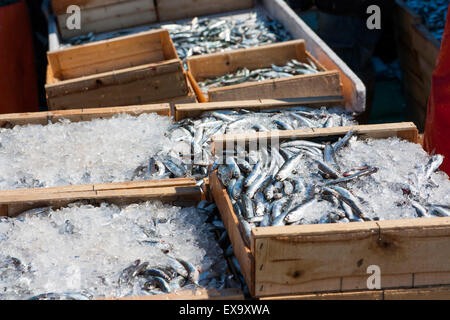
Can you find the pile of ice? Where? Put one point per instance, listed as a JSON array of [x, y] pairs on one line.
[[400, 178], [66, 153], [388, 193], [85, 248]]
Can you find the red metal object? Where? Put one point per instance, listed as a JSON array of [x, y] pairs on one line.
[[437, 127], [18, 83]]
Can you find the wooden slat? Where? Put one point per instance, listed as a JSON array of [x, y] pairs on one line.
[[199, 294], [325, 84], [132, 86], [431, 278], [195, 109], [109, 17], [75, 115], [231, 222], [287, 259], [108, 55], [182, 9], [428, 293], [387, 281], [360, 295], [60, 6], [145, 184], [13, 203], [404, 130], [438, 293]]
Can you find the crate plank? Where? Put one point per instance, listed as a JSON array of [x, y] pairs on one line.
[[387, 281], [109, 16], [182, 9], [438, 293], [326, 86], [60, 6], [403, 130], [431, 278], [231, 222], [16, 203], [428, 293], [193, 110]]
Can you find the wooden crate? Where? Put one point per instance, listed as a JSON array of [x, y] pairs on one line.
[[323, 84], [130, 70], [10, 120], [183, 9], [179, 192], [354, 90], [193, 110], [418, 51], [317, 258], [10, 198], [104, 15], [182, 190]]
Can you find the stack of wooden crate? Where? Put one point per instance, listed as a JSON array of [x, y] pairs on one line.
[[91, 78], [418, 50]]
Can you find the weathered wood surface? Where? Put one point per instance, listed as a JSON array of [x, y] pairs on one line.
[[9, 120], [102, 16]]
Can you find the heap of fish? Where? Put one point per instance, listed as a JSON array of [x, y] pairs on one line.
[[207, 35], [290, 69], [190, 153], [305, 181], [434, 14], [81, 251]]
